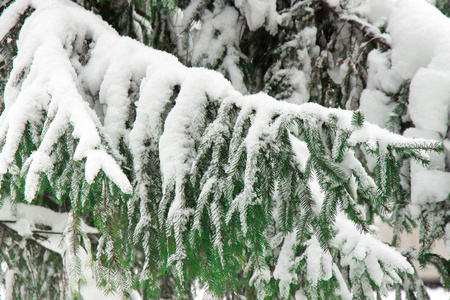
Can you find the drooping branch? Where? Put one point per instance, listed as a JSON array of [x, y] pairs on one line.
[[181, 158]]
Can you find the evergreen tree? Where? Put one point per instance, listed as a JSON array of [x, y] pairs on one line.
[[151, 178]]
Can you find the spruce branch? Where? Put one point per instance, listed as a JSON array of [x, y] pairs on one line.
[[207, 179]]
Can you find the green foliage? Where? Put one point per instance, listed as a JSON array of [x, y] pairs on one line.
[[270, 188], [8, 50], [443, 6], [32, 270]]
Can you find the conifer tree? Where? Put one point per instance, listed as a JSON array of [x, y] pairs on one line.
[[150, 177]]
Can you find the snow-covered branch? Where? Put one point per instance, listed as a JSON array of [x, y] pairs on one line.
[[208, 181]]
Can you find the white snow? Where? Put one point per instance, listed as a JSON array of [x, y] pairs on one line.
[[219, 31], [375, 106], [301, 151], [39, 162], [300, 295], [45, 45], [90, 291], [379, 65], [23, 219], [9, 283], [284, 267], [437, 160], [259, 13], [58, 84], [333, 2], [428, 183], [230, 64], [318, 263], [413, 25], [361, 251], [429, 99], [55, 87], [434, 293], [376, 11], [420, 38], [99, 160], [317, 193], [11, 15]]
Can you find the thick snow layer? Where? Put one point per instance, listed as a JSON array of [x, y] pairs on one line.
[[10, 19], [379, 64], [23, 218], [99, 160], [61, 85], [58, 83], [301, 152], [428, 186], [284, 267], [412, 24], [44, 50], [430, 183], [259, 13], [417, 25], [318, 262], [362, 251], [376, 106], [429, 99], [218, 32], [376, 11], [420, 39]]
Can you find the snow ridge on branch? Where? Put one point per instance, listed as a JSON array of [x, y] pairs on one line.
[[189, 154]]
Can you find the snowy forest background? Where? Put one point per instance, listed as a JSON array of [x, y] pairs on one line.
[[244, 147]]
